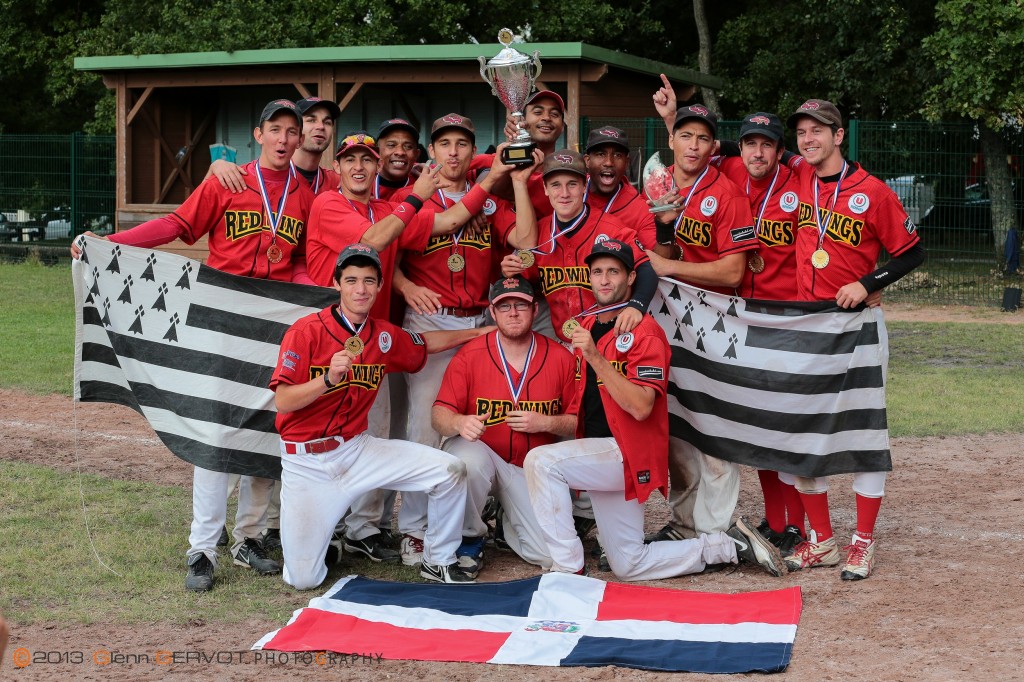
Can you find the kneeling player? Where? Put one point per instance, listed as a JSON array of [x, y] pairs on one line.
[[620, 456], [330, 366]]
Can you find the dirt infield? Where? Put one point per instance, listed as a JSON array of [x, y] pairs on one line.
[[944, 603]]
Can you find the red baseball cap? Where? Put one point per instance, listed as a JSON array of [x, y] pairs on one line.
[[540, 94]]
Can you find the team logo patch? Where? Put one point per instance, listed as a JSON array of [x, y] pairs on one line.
[[416, 338], [649, 372], [291, 354], [384, 341], [859, 202], [742, 234], [787, 202], [453, 119], [563, 158], [709, 206], [760, 120], [809, 105], [288, 364], [490, 207], [564, 626], [909, 226], [607, 132], [601, 238], [697, 109], [612, 246], [624, 342], [643, 476]]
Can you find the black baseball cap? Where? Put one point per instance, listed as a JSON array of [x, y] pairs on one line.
[[820, 110], [305, 105], [277, 105], [392, 124], [762, 123], [515, 286], [607, 135], [698, 112], [357, 251], [615, 249], [564, 160], [457, 121]]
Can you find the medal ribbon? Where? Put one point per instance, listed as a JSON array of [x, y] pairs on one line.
[[274, 218], [556, 234], [347, 324], [506, 368], [594, 310], [764, 204], [611, 201], [444, 202], [369, 209], [689, 195], [823, 227]]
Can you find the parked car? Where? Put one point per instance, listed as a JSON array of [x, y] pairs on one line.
[[916, 195]]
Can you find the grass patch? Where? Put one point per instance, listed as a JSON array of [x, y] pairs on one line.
[[140, 530]]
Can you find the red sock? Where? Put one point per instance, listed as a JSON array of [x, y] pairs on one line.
[[794, 506], [774, 502], [816, 506], [867, 514]]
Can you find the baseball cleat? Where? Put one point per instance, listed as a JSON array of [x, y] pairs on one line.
[[446, 574], [664, 535], [753, 548], [788, 541], [252, 555], [223, 540], [811, 553], [412, 550], [470, 555], [859, 559], [271, 540], [200, 574], [373, 548], [334, 550]]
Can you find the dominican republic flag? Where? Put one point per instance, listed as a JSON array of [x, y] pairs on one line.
[[189, 347], [793, 387], [556, 619]]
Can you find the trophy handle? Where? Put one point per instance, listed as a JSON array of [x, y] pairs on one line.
[[483, 74], [536, 65]]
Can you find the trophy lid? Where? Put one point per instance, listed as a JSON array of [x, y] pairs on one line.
[[508, 56]]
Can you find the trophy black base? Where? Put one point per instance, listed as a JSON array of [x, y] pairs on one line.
[[519, 154]]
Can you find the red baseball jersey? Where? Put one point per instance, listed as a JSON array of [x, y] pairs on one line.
[[643, 357], [775, 227], [335, 222], [327, 180], [564, 276], [382, 189], [465, 288], [306, 352], [866, 217], [631, 208], [475, 383], [535, 183], [716, 222], [239, 227]]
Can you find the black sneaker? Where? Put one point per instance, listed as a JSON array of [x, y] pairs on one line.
[[200, 574], [333, 555], [223, 540], [271, 540], [602, 561], [499, 532], [252, 555], [390, 538], [753, 548], [583, 526], [445, 574], [373, 548], [665, 534], [788, 540]]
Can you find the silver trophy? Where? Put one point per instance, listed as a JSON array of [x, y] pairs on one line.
[[511, 75]]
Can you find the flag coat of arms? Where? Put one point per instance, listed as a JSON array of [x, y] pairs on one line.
[[556, 619], [792, 387]]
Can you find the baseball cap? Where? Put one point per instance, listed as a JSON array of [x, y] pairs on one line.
[[515, 286], [607, 135], [547, 93], [353, 251], [358, 139], [699, 112], [762, 123], [818, 109], [393, 124], [613, 248], [453, 121], [564, 160], [308, 103], [277, 105]]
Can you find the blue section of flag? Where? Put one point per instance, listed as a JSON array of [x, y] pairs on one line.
[[480, 599], [673, 655]]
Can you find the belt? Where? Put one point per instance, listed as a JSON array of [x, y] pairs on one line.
[[313, 447], [460, 312]]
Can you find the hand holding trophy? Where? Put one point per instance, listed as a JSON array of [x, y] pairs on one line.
[[659, 185]]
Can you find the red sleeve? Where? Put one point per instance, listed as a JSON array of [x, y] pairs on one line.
[[569, 400], [896, 230], [151, 233], [416, 234], [734, 227], [201, 211], [503, 221], [292, 360], [481, 162], [409, 351], [333, 225], [649, 357]]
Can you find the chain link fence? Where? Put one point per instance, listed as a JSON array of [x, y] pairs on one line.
[[938, 172]]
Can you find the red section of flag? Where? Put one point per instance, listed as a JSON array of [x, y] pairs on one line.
[[635, 602]]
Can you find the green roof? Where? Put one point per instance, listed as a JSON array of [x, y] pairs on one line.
[[390, 53]]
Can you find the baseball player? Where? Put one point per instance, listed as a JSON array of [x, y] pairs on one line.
[[619, 455], [329, 368], [502, 395], [607, 159], [397, 142], [846, 218], [259, 232]]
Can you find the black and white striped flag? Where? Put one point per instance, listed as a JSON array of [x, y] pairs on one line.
[[793, 387], [189, 347]]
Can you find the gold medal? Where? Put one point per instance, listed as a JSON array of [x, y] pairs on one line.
[[569, 327], [274, 253], [819, 258], [755, 263], [456, 263], [526, 256], [354, 345]]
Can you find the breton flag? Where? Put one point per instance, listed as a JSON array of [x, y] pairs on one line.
[[189, 347], [793, 387], [555, 619]]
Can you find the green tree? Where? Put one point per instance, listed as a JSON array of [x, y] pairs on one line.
[[976, 50]]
